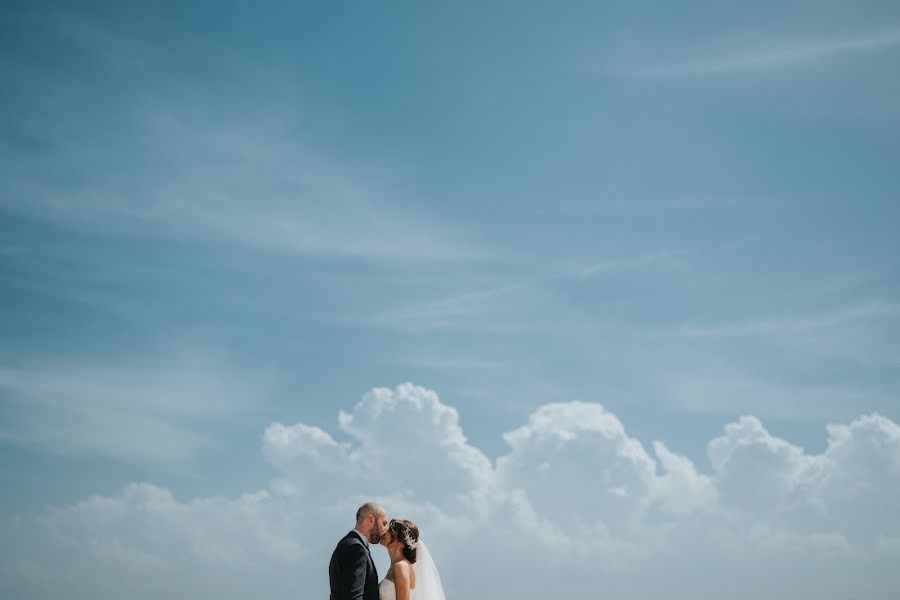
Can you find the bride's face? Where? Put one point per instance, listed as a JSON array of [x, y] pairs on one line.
[[389, 540]]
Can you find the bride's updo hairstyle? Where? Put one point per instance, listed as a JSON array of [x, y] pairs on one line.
[[406, 532]]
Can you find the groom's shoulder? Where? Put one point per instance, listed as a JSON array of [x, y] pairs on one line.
[[350, 545], [350, 538]]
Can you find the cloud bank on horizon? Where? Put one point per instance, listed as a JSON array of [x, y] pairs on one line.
[[575, 504]]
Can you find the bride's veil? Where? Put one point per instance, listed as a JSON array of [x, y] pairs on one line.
[[428, 581]]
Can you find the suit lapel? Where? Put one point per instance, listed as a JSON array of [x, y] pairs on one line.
[[365, 543], [371, 560]]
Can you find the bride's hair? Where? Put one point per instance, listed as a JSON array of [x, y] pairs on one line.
[[406, 532]]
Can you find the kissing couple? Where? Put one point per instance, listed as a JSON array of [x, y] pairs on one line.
[[412, 573]]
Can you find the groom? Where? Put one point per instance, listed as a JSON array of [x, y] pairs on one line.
[[351, 571]]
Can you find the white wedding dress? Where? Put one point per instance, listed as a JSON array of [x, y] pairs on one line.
[[388, 591], [428, 582]]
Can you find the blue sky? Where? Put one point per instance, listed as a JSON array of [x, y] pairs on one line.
[[219, 216]]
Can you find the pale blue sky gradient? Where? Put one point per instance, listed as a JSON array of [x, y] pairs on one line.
[[214, 216]]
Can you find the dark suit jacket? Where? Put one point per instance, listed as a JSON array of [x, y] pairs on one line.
[[351, 571]]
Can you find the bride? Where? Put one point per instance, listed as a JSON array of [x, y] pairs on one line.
[[412, 573]]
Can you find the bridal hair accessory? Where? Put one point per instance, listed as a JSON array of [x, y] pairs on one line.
[[407, 538]]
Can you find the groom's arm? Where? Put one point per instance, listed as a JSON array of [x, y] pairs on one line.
[[356, 563]]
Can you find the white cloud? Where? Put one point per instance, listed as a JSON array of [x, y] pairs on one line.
[[756, 473], [681, 490], [575, 494], [578, 466], [143, 543], [405, 441], [847, 492], [861, 478]]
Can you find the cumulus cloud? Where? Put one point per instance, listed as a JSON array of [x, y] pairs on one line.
[[681, 490], [576, 464], [755, 472], [404, 442], [860, 480], [577, 506], [143, 543]]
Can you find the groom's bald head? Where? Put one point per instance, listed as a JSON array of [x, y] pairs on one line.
[[371, 521], [367, 509]]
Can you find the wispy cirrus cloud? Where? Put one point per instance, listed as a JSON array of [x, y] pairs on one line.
[[243, 183], [721, 61], [628, 263], [188, 163], [781, 326], [470, 309], [861, 334], [725, 388], [516, 303], [143, 411], [773, 365]]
